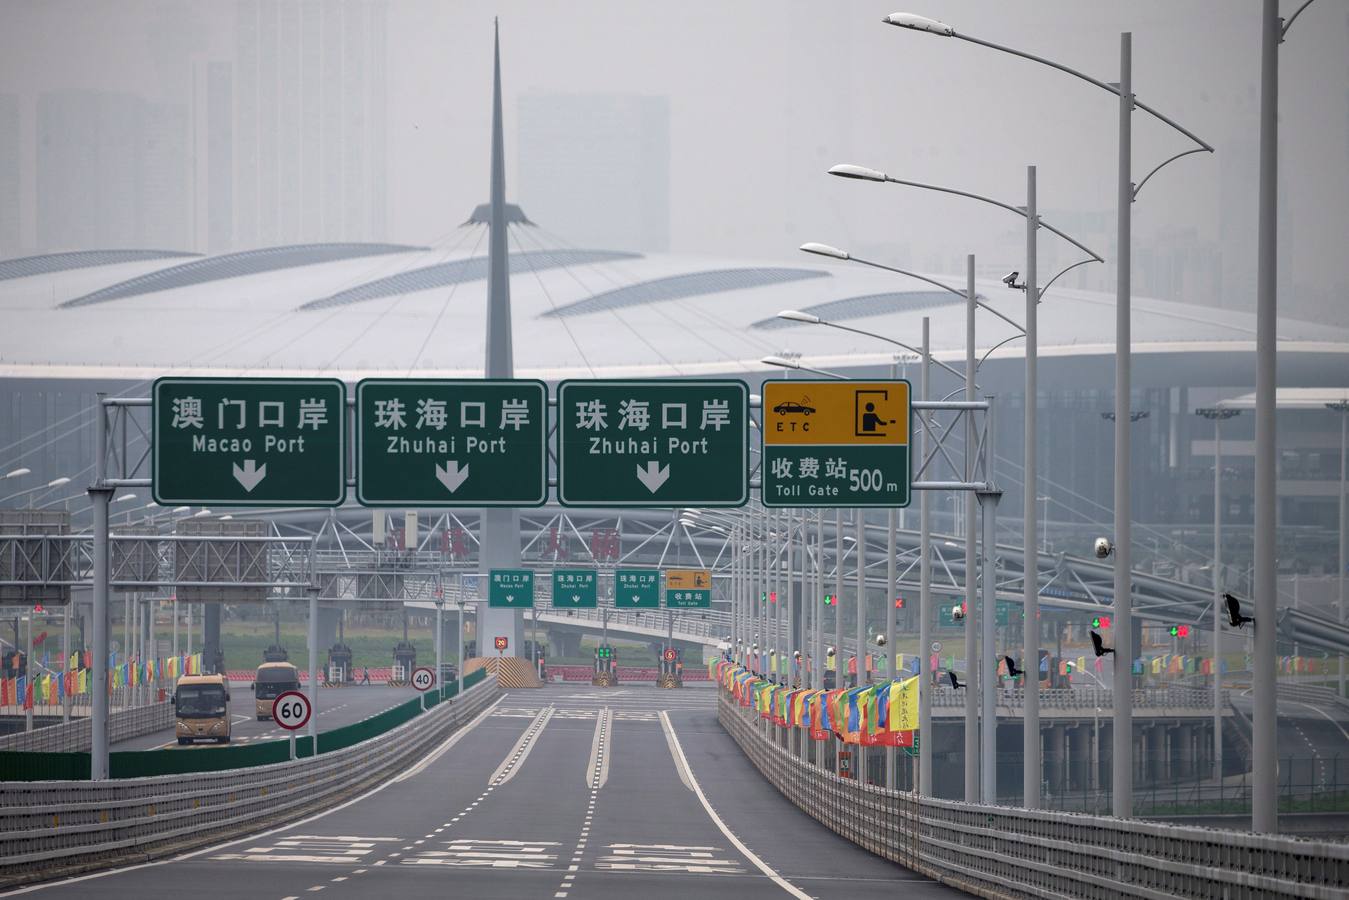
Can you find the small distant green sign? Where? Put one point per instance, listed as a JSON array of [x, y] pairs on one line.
[[637, 589], [511, 589], [574, 588]]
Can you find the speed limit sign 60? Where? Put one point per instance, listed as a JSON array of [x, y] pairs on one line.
[[291, 710], [423, 678]]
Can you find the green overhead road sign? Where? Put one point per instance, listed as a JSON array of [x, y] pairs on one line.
[[637, 589], [249, 442], [836, 443], [652, 443], [574, 588], [510, 589], [470, 442]]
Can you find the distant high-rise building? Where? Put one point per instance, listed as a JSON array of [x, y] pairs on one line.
[[112, 171], [10, 238], [309, 125], [219, 163], [595, 168]]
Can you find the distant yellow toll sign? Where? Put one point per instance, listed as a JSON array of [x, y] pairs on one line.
[[836, 443], [688, 588]]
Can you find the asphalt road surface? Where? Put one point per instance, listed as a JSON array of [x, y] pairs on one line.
[[566, 792], [337, 707]]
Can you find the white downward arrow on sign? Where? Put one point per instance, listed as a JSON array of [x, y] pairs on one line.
[[451, 475], [250, 474], [653, 476]]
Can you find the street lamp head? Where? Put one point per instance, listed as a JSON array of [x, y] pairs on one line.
[[57, 482], [780, 361], [824, 250], [22, 470], [919, 23], [850, 171], [124, 498], [181, 509], [797, 316]]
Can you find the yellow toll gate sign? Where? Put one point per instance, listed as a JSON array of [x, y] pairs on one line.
[[688, 588], [836, 443]]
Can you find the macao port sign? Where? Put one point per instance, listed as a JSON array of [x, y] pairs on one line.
[[249, 442]]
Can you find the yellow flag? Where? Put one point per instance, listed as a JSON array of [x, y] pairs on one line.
[[903, 713]]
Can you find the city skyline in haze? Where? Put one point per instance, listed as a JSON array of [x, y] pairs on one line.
[[758, 107]]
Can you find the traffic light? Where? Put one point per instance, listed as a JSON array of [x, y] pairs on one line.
[[899, 603], [1180, 630], [604, 652], [772, 596], [1100, 622], [830, 600]]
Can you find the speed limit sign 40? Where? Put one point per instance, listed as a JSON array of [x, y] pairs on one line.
[[423, 678], [291, 710]]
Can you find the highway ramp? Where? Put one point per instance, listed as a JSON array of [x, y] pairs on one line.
[[566, 792]]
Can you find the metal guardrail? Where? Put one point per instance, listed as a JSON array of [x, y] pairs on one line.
[[1010, 852], [710, 630], [57, 828], [1175, 697], [77, 734]]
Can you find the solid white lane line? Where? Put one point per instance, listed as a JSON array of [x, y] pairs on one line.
[[449, 742], [681, 766], [515, 759], [681, 760]]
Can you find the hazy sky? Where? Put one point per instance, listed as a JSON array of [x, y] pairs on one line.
[[764, 96]]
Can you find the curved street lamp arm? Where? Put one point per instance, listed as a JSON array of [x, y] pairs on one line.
[[931, 281], [1095, 257], [881, 337], [1138, 187], [958, 193], [1062, 272], [958, 293], [1019, 211], [1291, 19], [990, 350], [1114, 89]]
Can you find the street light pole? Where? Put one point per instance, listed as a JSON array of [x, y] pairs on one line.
[[925, 588], [1264, 796], [1342, 407], [1217, 416], [1122, 757], [1030, 564]]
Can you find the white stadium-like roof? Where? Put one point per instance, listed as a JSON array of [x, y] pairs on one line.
[[357, 310]]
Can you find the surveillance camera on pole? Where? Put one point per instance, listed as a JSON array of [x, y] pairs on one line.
[[1103, 547]]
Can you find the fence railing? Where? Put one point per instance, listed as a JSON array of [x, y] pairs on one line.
[[50, 829], [77, 735], [1011, 852], [1178, 697]]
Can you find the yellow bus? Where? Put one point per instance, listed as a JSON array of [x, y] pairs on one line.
[[272, 680], [201, 705]]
